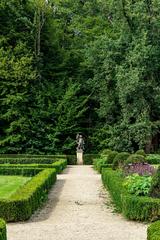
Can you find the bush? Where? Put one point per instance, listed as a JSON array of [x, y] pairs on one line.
[[133, 207], [138, 185], [89, 158], [141, 152], [153, 231], [71, 159], [120, 159], [142, 169], [21, 205], [58, 165], [153, 158], [135, 158], [31, 156], [27, 160], [155, 187], [3, 231], [105, 152], [111, 157]]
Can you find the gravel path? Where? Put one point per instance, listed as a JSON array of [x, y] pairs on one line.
[[77, 210]]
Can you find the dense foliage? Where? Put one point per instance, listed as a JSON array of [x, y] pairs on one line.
[[155, 188], [138, 185], [89, 66]]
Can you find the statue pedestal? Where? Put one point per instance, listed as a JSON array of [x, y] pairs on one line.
[[80, 157]]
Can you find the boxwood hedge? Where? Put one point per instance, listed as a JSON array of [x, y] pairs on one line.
[[21, 205], [153, 231], [3, 231], [133, 207], [58, 165], [29, 160]]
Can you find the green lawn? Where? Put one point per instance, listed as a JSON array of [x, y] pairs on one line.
[[10, 184]]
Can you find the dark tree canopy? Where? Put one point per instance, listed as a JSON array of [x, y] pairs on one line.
[[87, 66]]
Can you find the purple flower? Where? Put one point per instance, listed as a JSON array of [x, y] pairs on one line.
[[143, 169]]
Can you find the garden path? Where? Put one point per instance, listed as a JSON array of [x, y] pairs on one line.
[[77, 210]]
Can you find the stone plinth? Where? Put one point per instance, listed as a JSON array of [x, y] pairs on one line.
[[80, 157]]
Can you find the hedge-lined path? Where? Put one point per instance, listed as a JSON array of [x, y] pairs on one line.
[[77, 210]]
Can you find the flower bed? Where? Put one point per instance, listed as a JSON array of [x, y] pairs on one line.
[[133, 207]]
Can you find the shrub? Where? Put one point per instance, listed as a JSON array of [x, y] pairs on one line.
[[3, 231], [141, 152], [142, 169], [138, 185], [105, 152], [119, 159], [111, 157], [153, 158], [155, 187], [27, 160], [21, 205], [153, 231], [89, 158], [58, 165], [133, 207], [135, 158], [71, 159]]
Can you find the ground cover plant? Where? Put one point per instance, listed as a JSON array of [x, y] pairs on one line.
[[138, 185]]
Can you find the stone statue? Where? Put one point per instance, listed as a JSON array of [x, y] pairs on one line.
[[80, 142]]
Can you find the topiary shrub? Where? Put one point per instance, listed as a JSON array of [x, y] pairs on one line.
[[155, 187], [119, 159], [111, 157], [135, 158], [141, 152], [106, 152]]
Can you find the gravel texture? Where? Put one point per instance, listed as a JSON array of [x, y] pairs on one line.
[[78, 209]]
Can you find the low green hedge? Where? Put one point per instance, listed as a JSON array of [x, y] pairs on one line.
[[71, 159], [3, 231], [21, 205], [89, 158], [58, 165], [153, 231], [24, 171], [31, 156], [100, 163], [27, 160], [133, 207]]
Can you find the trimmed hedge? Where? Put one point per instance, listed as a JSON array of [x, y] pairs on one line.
[[100, 163], [58, 165], [89, 158], [71, 159], [27, 160], [3, 231], [133, 207], [21, 205], [30, 156], [153, 231]]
